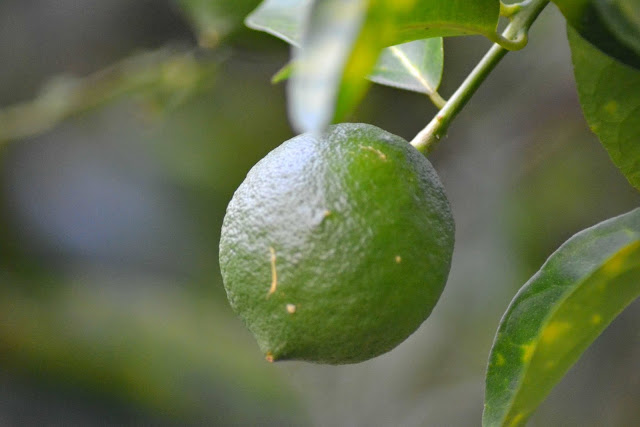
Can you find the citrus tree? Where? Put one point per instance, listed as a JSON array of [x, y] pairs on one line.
[[337, 245]]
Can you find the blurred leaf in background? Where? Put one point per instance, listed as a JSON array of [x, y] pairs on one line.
[[107, 251], [214, 20]]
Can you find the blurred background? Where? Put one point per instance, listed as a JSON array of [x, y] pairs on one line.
[[126, 126]]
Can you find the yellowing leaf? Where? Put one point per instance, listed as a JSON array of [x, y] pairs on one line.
[[558, 313]]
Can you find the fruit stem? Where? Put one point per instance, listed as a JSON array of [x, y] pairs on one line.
[[521, 21]]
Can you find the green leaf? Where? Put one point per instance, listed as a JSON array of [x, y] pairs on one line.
[[341, 40], [613, 26], [283, 73], [281, 18], [409, 20], [214, 20], [335, 60], [558, 313], [610, 98], [623, 19], [415, 66]]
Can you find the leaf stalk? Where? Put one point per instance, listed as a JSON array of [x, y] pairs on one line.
[[523, 16]]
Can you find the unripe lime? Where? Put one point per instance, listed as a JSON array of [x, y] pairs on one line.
[[336, 247]]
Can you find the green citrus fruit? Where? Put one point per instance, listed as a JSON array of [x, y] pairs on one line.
[[336, 247]]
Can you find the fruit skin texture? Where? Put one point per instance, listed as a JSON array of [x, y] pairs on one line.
[[336, 247]]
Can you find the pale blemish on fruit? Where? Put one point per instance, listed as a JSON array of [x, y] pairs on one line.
[[527, 351], [291, 308], [398, 259], [554, 330], [500, 360], [269, 357], [596, 319], [274, 272], [380, 154]]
